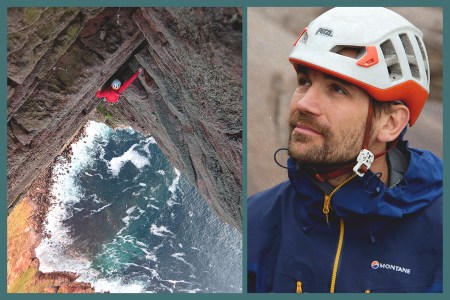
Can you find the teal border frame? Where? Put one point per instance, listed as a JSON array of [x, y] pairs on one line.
[[4, 4], [244, 149]]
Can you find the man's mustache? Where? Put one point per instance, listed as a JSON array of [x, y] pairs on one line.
[[308, 121]]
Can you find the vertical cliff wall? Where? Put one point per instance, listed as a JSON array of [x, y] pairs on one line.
[[188, 97]]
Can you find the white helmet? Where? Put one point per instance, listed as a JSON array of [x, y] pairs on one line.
[[392, 63], [116, 84]]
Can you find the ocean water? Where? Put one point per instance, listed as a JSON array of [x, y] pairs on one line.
[[124, 219]]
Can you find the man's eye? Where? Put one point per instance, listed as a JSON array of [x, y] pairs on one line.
[[337, 89], [304, 82]]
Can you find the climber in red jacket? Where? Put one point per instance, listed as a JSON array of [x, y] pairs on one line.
[[112, 93]]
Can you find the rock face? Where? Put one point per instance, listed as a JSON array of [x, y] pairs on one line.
[[23, 275], [188, 97]]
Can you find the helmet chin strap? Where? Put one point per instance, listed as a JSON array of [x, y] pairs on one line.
[[364, 159]]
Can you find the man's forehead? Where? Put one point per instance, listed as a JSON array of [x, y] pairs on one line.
[[307, 71]]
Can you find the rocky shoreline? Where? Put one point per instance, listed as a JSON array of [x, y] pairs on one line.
[[37, 201], [26, 230]]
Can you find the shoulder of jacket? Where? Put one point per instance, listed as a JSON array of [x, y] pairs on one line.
[[428, 221], [270, 201], [425, 155], [270, 193], [434, 211]]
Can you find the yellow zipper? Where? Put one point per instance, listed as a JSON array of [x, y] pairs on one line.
[[299, 289], [326, 211], [327, 199], [338, 255]]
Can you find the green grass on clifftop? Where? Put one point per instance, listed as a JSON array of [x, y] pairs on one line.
[[103, 111]]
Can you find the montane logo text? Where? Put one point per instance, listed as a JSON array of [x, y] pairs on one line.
[[377, 265]]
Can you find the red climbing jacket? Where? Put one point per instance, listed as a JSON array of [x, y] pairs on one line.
[[111, 95]]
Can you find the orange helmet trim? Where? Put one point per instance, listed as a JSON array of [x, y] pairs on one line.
[[370, 58], [301, 34], [409, 91]]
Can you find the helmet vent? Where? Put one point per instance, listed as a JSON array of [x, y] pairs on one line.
[[424, 57], [391, 59], [355, 52], [304, 38], [412, 60]]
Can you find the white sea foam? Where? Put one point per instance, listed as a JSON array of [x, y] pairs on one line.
[[51, 251], [172, 188], [180, 256], [156, 248], [171, 203], [116, 286], [101, 208], [131, 155], [152, 206], [130, 217], [131, 209], [66, 188], [160, 231], [193, 291], [65, 192], [175, 282], [88, 145], [140, 185], [96, 199], [151, 256], [174, 184], [97, 210], [150, 140]]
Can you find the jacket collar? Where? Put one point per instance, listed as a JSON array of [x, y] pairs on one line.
[[366, 197]]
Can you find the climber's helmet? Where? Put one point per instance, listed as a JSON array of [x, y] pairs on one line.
[[392, 63], [116, 84]]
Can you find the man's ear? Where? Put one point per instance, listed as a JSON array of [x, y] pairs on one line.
[[393, 123]]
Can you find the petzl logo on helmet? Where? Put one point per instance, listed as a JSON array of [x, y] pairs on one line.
[[324, 31], [375, 264]]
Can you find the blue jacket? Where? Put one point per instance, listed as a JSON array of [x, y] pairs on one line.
[[391, 237]]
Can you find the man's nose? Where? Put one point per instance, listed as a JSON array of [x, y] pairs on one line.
[[310, 101]]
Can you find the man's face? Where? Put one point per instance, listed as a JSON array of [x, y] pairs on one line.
[[327, 119]]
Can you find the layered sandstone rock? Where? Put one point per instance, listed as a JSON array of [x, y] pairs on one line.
[[188, 97]]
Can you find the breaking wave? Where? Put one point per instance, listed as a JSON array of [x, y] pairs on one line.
[[127, 221]]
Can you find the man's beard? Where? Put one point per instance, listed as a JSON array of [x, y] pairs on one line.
[[333, 151]]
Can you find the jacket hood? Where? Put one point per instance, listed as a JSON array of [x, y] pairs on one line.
[[367, 198]]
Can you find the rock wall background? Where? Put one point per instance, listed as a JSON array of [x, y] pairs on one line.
[[271, 82], [188, 97]]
